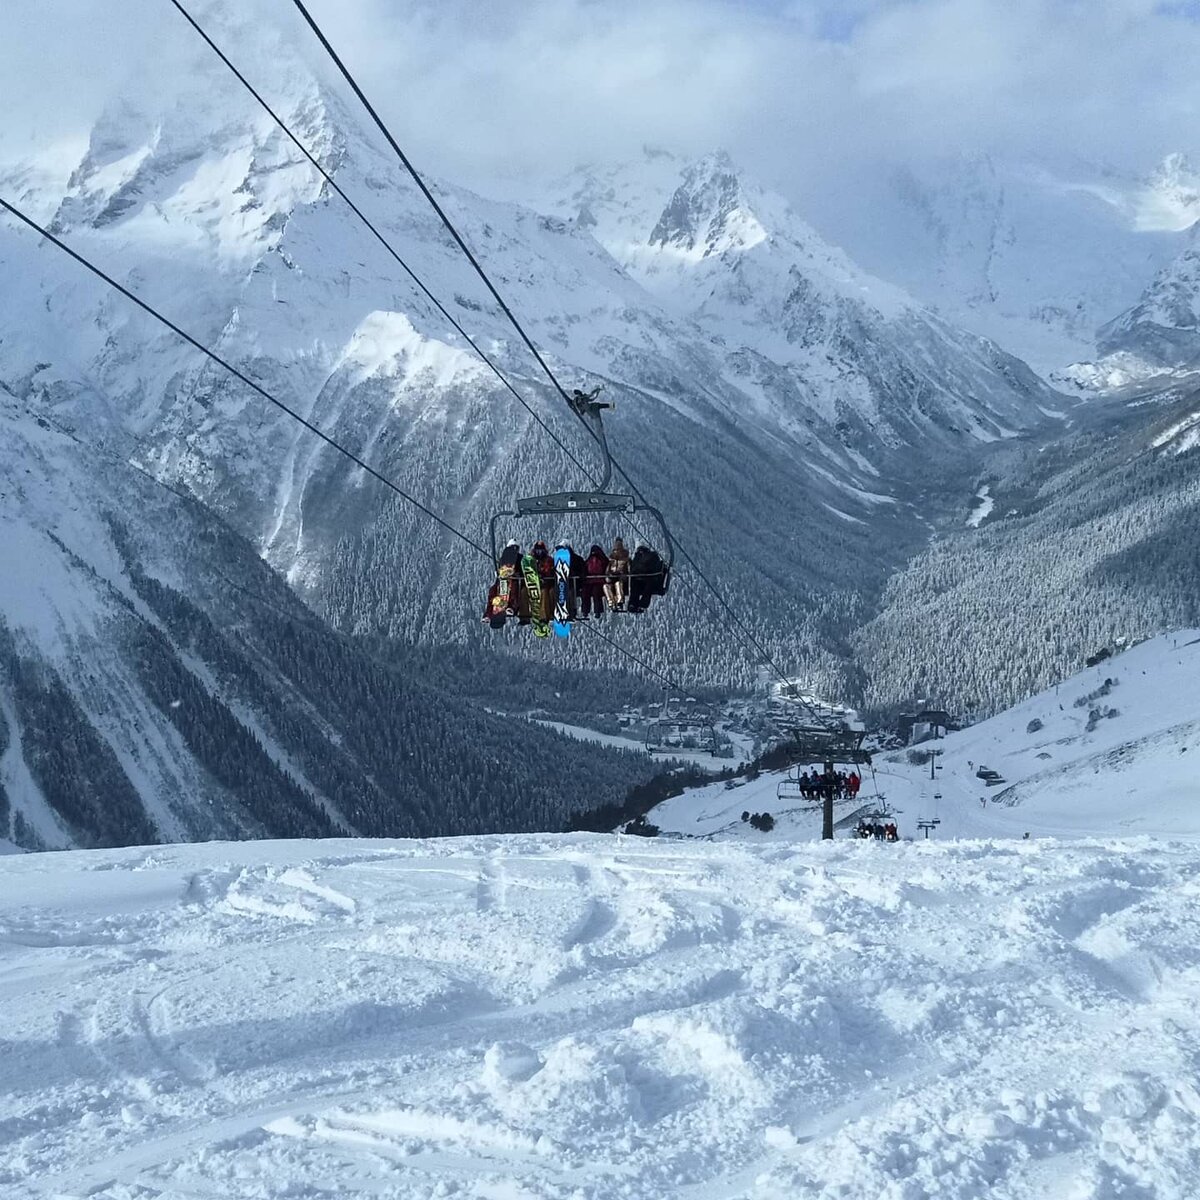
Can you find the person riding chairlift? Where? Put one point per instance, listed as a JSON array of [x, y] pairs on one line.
[[596, 572], [508, 567], [585, 403], [647, 577], [616, 586], [543, 561]]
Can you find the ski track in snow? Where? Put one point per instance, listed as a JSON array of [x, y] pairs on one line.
[[578, 1017]]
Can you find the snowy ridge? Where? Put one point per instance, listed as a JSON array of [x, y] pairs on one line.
[[1163, 327], [800, 325], [602, 1018], [1035, 254], [772, 366]]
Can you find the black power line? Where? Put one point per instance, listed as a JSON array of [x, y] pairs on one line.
[[336, 187], [462, 245], [737, 622], [383, 241]]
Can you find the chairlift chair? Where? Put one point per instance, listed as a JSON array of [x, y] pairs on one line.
[[788, 790], [829, 745], [673, 726], [586, 503]]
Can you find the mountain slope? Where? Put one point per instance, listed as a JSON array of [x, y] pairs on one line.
[[1034, 254], [1163, 327], [159, 682], [1108, 751], [804, 331], [198, 201], [1091, 539]]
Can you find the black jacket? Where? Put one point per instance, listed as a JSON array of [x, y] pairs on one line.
[[648, 564]]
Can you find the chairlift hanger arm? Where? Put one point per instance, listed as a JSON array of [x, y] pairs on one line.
[[577, 503]]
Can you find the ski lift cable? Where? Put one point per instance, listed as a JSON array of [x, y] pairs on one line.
[[316, 163], [88, 265], [424, 188], [508, 312], [383, 241], [314, 623], [150, 310], [629, 654]]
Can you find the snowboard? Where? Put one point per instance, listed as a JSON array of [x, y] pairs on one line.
[[533, 588], [562, 577], [502, 602]]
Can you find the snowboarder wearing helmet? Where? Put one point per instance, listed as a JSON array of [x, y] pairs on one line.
[[596, 572]]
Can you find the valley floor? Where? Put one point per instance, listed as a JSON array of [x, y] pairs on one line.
[[580, 1017]]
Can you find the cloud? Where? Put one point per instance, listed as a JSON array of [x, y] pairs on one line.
[[61, 63], [810, 94], [800, 88]]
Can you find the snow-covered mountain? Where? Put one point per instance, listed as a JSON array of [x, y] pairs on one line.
[[1091, 538], [800, 421], [1163, 327], [801, 328], [1035, 254], [158, 682], [197, 200]]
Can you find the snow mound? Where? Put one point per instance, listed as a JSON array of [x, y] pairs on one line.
[[598, 1017]]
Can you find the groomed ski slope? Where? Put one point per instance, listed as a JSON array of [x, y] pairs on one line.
[[583, 1017], [1136, 771]]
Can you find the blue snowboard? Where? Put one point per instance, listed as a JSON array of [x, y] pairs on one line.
[[562, 575]]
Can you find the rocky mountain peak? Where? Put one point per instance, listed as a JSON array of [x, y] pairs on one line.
[[1176, 169], [709, 211], [1170, 197]]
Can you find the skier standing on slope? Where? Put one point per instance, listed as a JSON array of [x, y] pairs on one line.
[[596, 569], [616, 587]]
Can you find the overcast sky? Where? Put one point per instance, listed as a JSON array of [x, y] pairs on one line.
[[802, 91], [799, 86]]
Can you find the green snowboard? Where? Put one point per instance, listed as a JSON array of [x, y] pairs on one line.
[[533, 587]]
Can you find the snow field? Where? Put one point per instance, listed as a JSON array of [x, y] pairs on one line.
[[1109, 751], [581, 1017]]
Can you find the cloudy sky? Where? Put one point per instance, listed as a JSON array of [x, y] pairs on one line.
[[805, 92], [794, 86]]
